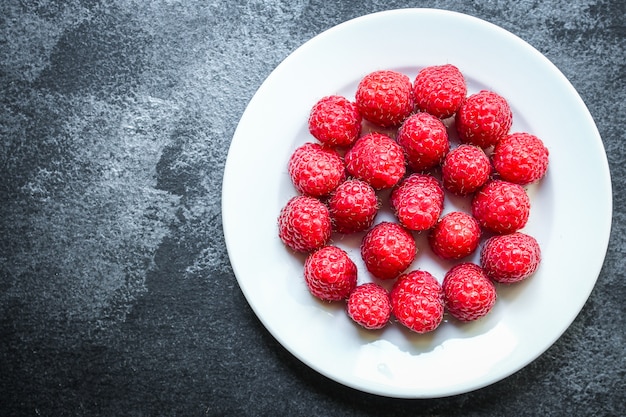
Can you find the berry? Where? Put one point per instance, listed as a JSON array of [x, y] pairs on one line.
[[465, 169], [439, 90], [385, 98], [467, 292], [510, 258], [304, 224], [335, 121], [369, 305], [417, 201], [376, 159], [455, 236], [483, 119], [501, 207], [330, 274], [424, 139], [387, 250], [521, 158], [353, 206], [316, 170], [417, 301]]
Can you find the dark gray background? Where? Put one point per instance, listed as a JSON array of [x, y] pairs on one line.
[[116, 293]]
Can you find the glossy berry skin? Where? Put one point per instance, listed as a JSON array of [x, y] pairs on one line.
[[439, 90], [467, 292], [376, 159], [501, 207], [424, 139], [387, 250], [510, 258], [465, 169], [369, 306], [330, 274], [417, 201], [385, 98], [521, 158], [353, 206], [455, 236], [483, 119], [417, 301], [316, 170], [335, 121], [304, 224]]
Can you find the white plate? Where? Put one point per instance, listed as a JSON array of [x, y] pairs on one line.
[[570, 215]]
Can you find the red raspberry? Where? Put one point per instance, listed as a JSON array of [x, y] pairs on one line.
[[417, 201], [369, 305], [417, 301], [467, 292], [510, 258], [439, 90], [521, 158], [304, 224], [353, 206], [376, 159], [455, 236], [316, 170], [387, 250], [501, 207], [424, 139], [335, 121], [465, 169], [385, 98], [483, 119], [330, 274]]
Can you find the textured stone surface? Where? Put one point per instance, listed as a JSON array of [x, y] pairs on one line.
[[116, 293]]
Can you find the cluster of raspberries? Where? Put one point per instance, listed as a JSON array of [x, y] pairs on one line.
[[406, 150]]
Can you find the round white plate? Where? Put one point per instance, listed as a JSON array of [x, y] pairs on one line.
[[570, 214]]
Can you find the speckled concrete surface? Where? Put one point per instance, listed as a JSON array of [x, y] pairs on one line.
[[116, 292]]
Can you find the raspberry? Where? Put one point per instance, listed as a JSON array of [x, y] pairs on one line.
[[501, 207], [304, 224], [483, 119], [335, 121], [369, 305], [521, 158], [330, 274], [467, 292], [465, 169], [376, 159], [316, 170], [387, 250], [510, 258], [385, 98], [417, 201], [424, 139], [417, 301], [455, 236], [439, 90], [353, 206]]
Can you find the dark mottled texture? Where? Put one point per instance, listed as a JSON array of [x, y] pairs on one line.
[[116, 292]]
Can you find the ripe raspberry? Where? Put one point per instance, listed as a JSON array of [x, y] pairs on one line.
[[439, 90], [483, 119], [510, 258], [417, 301], [465, 169], [335, 121], [387, 250], [521, 158], [369, 305], [304, 224], [455, 236], [501, 207], [330, 274], [467, 292], [353, 206], [385, 98], [424, 139], [316, 170], [376, 159], [417, 201]]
